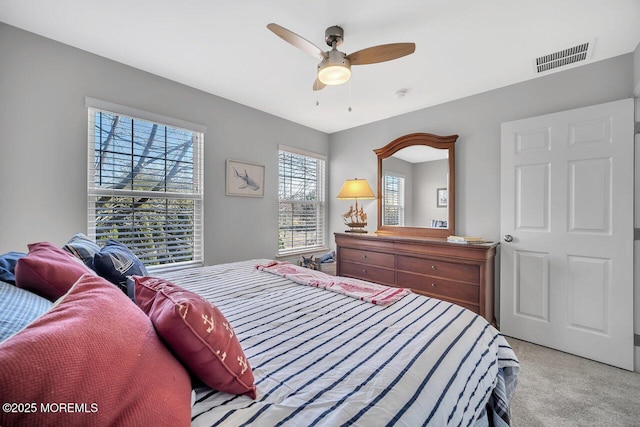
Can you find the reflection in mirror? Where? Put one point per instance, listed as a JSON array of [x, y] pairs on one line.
[[416, 186]]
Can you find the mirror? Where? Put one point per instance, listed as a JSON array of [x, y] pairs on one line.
[[416, 191]]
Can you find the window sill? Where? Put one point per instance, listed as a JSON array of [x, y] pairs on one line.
[[310, 251], [167, 268]]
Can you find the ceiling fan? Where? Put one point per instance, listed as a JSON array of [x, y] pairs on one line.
[[335, 66]]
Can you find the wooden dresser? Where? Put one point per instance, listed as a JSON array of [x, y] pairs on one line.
[[458, 273]]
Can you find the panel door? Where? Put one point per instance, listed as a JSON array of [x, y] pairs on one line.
[[567, 219]]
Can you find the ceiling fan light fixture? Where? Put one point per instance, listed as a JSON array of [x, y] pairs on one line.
[[335, 69], [334, 74]]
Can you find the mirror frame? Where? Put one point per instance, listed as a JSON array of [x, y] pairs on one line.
[[430, 140]]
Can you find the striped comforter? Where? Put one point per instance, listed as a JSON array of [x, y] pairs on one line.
[[326, 359]]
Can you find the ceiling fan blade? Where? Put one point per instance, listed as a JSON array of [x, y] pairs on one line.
[[297, 41], [381, 53], [318, 85]]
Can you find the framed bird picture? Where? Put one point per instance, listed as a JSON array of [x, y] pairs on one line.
[[245, 179]]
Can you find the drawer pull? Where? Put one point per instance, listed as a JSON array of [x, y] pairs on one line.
[[433, 285], [364, 257], [364, 271], [433, 267]]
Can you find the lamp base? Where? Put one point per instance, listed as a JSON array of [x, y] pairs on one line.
[[356, 227]]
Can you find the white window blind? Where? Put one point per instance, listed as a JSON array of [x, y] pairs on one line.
[[145, 187], [301, 201], [393, 200]]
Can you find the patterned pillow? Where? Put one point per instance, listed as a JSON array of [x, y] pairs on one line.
[[8, 265], [82, 247], [18, 308], [97, 351], [48, 271], [197, 333], [115, 262]]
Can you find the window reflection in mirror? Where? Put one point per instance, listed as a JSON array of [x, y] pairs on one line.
[[393, 195], [414, 192]]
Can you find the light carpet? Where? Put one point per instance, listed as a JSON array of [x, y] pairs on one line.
[[559, 389]]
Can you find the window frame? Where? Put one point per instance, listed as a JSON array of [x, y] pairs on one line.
[[321, 230], [196, 194]]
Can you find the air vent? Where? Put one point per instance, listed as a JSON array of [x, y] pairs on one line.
[[563, 58]]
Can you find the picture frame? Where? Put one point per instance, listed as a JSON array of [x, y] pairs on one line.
[[442, 197], [244, 179]]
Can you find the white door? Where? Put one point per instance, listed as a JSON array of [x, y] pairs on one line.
[[567, 223]]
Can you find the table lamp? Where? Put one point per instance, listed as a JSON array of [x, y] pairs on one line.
[[354, 189]]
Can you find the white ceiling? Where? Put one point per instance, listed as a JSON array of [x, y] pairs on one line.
[[463, 47]]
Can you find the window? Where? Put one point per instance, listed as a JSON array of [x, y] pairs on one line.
[[301, 201], [145, 185], [393, 200]]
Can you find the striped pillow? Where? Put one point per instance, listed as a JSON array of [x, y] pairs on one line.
[[83, 248], [18, 308], [116, 261]]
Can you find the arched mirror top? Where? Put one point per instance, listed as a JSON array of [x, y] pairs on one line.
[[418, 176]]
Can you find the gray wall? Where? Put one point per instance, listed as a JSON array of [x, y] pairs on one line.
[[636, 70], [476, 119], [43, 145]]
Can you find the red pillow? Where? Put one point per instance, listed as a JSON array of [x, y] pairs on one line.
[[48, 271], [92, 360], [198, 334]]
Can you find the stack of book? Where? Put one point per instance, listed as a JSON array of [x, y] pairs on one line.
[[465, 239]]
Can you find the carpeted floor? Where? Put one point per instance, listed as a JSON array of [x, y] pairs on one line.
[[559, 389]]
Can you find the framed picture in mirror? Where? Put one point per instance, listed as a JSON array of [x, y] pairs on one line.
[[441, 197]]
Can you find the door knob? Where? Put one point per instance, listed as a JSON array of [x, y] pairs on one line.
[[508, 238]]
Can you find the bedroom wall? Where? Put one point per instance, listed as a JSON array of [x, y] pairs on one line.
[[476, 119], [43, 145], [636, 71]]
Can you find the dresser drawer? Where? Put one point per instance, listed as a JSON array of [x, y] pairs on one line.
[[366, 257], [367, 272], [449, 270], [439, 288]]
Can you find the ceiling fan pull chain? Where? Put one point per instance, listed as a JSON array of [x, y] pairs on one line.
[[349, 109]]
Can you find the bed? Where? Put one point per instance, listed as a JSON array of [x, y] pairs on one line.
[[323, 358], [316, 356]]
